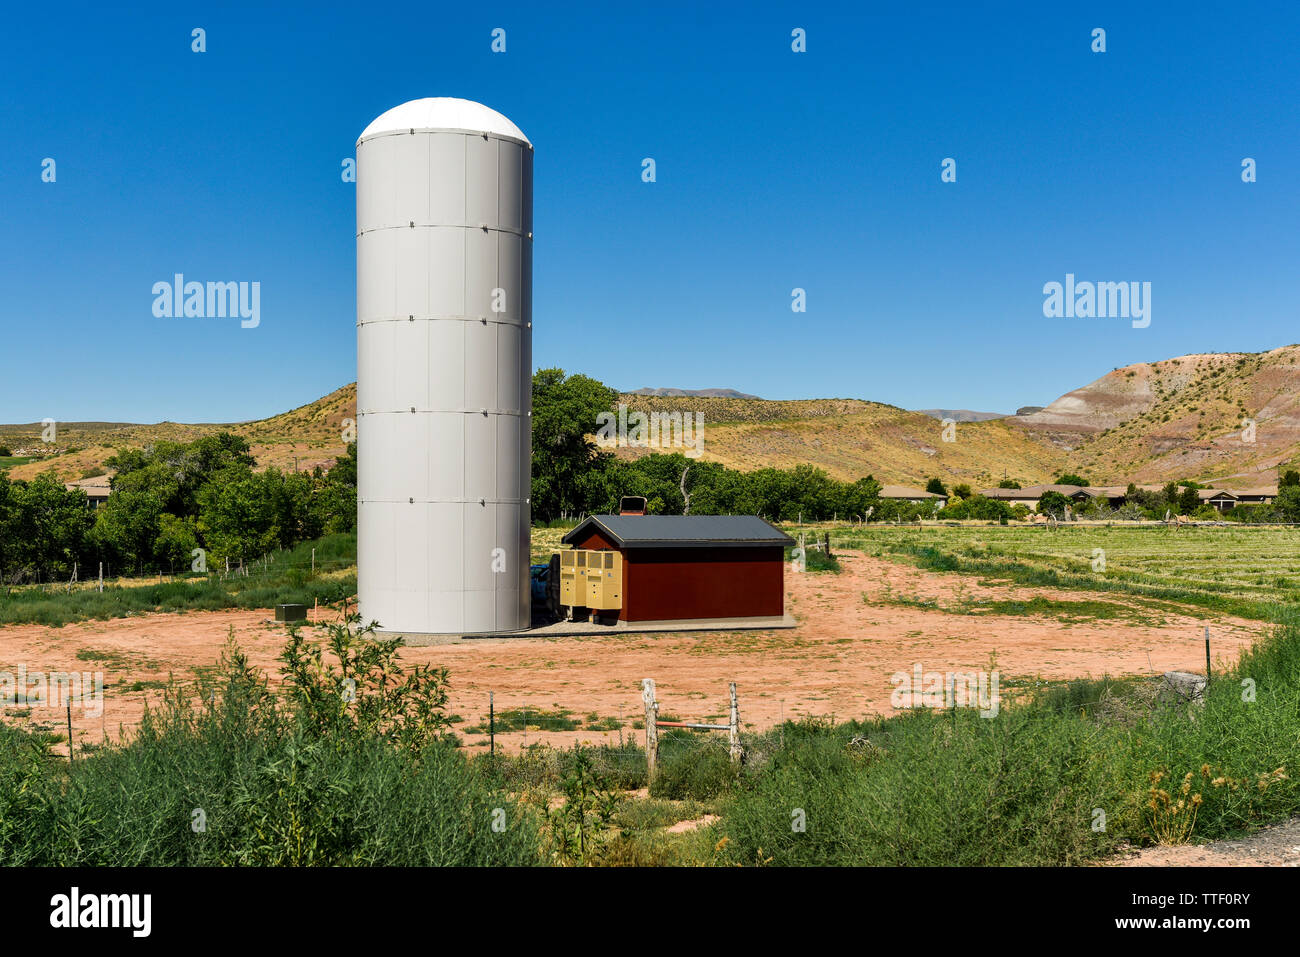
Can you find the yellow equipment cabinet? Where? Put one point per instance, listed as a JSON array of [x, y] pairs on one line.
[[604, 580], [591, 578], [569, 589]]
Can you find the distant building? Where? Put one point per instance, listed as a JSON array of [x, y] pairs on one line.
[[904, 493], [97, 489], [1116, 495], [1030, 495], [1218, 498], [1264, 495]]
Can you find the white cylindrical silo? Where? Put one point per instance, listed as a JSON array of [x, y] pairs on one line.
[[444, 369]]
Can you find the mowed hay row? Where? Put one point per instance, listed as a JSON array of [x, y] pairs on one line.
[[1245, 571]]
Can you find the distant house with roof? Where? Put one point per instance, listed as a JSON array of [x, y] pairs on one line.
[[1263, 495], [97, 489], [905, 493], [1116, 495], [1030, 495]]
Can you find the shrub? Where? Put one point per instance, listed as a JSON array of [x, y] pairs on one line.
[[698, 767], [250, 777], [977, 507], [951, 788]]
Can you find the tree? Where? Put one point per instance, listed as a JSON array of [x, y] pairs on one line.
[[1069, 478], [1291, 477], [8, 525], [566, 412], [936, 487], [333, 502], [1288, 502], [1188, 501], [1008, 483], [977, 507], [176, 541], [962, 491], [1170, 496], [239, 513], [49, 525], [1053, 503]]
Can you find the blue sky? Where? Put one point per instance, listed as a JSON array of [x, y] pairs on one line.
[[776, 170]]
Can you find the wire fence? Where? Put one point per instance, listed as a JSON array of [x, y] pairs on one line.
[[265, 567]]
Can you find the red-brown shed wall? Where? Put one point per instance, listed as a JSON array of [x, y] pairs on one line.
[[675, 583]]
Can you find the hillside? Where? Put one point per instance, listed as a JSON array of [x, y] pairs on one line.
[[1178, 418], [1181, 418], [961, 415], [850, 438], [707, 393], [313, 434]]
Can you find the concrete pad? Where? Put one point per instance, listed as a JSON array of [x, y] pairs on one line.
[[569, 629]]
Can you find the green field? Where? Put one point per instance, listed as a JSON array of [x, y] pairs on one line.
[[1236, 570], [288, 576]]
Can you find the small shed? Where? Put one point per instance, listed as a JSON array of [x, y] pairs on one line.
[[684, 567]]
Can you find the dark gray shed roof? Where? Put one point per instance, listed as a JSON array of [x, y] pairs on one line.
[[681, 531]]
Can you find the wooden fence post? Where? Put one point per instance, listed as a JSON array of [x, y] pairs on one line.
[[735, 725], [1207, 655], [651, 732]]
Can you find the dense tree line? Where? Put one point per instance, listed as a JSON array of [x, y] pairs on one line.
[[167, 501], [172, 498], [572, 475]]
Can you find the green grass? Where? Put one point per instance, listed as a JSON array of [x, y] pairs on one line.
[[247, 777], [287, 579], [539, 766], [816, 560], [1069, 612], [1232, 570], [1025, 787], [656, 813], [115, 659], [533, 719]]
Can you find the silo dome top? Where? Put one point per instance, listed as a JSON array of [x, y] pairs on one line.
[[443, 113]]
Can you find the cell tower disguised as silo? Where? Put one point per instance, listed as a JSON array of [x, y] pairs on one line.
[[444, 369]]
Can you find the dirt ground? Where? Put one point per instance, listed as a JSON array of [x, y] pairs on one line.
[[1277, 846], [836, 663]]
